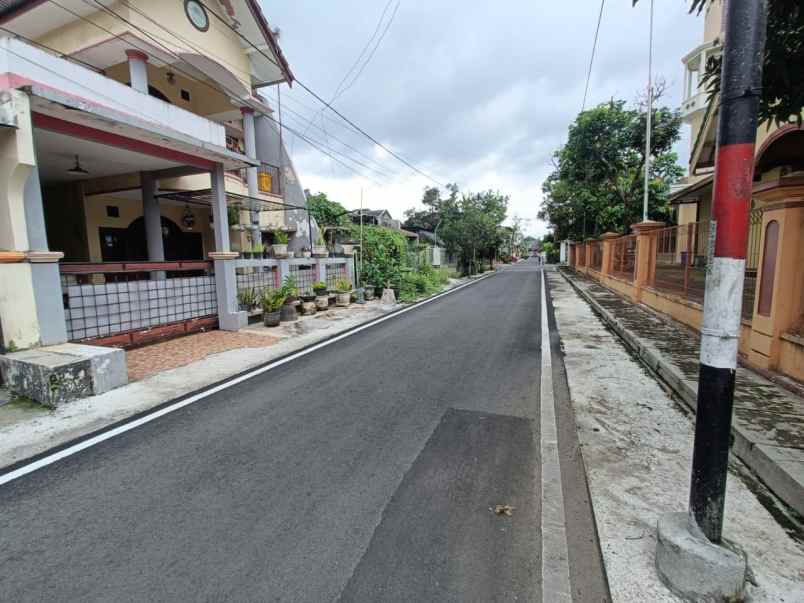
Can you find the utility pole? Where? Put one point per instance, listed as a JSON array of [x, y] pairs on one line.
[[649, 125], [741, 88], [689, 555]]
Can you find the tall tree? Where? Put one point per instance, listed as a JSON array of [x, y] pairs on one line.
[[597, 183]]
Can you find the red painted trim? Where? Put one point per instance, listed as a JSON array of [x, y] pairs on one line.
[[246, 110], [731, 199], [54, 124], [111, 267], [131, 339], [131, 53]]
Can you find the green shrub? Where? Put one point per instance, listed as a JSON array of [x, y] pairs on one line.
[[272, 300], [280, 237]]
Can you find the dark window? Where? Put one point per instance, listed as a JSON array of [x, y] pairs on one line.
[[768, 277], [112, 211], [185, 95]]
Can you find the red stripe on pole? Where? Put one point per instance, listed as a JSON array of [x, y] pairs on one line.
[[734, 175]]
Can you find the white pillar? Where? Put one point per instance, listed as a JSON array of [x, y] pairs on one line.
[[138, 70], [153, 218], [250, 140], [229, 318]]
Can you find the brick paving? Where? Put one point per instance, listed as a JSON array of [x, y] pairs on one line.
[[158, 357]]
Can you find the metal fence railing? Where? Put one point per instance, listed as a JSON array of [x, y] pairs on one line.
[[623, 258], [681, 259], [336, 272], [596, 255], [304, 275], [258, 278], [682, 254], [106, 299]]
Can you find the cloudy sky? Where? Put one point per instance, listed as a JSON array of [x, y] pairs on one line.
[[474, 92]]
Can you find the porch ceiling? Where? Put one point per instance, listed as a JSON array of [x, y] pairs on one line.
[[56, 153]]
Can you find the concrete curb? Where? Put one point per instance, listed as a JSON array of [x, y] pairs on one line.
[[749, 452]]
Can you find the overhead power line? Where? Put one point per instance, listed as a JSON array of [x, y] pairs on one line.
[[327, 105], [592, 58]]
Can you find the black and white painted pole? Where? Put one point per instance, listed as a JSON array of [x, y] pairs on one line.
[[741, 83]]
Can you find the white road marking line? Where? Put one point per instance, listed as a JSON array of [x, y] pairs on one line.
[[92, 441], [555, 556]]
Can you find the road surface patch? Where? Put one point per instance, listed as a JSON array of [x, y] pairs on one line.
[[437, 540]]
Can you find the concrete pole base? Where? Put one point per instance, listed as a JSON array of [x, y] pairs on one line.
[[693, 567]]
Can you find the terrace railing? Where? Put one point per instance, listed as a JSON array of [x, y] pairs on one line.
[[108, 299]]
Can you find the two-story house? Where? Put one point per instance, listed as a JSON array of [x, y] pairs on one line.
[[774, 284], [138, 159]]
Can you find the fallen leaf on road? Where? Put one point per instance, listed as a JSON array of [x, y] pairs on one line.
[[506, 510]]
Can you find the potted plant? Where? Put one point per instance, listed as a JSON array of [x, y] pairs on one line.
[[343, 292], [347, 249], [247, 299], [320, 248], [320, 288], [257, 250], [368, 293], [272, 301], [291, 293], [280, 245]]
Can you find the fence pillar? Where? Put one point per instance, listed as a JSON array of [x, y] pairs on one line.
[[321, 267], [284, 270], [645, 268], [779, 297], [31, 311], [608, 248]]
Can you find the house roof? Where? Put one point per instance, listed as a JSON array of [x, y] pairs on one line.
[[691, 193]]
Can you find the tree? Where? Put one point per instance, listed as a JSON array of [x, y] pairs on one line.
[[428, 218], [325, 212], [471, 227], [598, 180], [782, 86]]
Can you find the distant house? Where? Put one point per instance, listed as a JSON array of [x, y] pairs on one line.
[[375, 217]]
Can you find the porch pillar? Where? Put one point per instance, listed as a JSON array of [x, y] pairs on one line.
[[646, 255], [152, 217], [31, 311], [138, 70], [229, 318], [250, 140], [779, 296]]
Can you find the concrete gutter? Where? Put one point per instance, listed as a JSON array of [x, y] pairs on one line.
[[780, 468]]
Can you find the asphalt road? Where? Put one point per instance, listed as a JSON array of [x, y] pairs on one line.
[[364, 471]]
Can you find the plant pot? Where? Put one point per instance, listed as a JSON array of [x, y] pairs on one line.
[[280, 251], [320, 292], [244, 307], [320, 251], [322, 302], [271, 319], [369, 293], [288, 313], [306, 253], [246, 255], [348, 249], [342, 300], [266, 254]]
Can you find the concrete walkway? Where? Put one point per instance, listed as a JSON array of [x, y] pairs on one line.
[[768, 419]]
